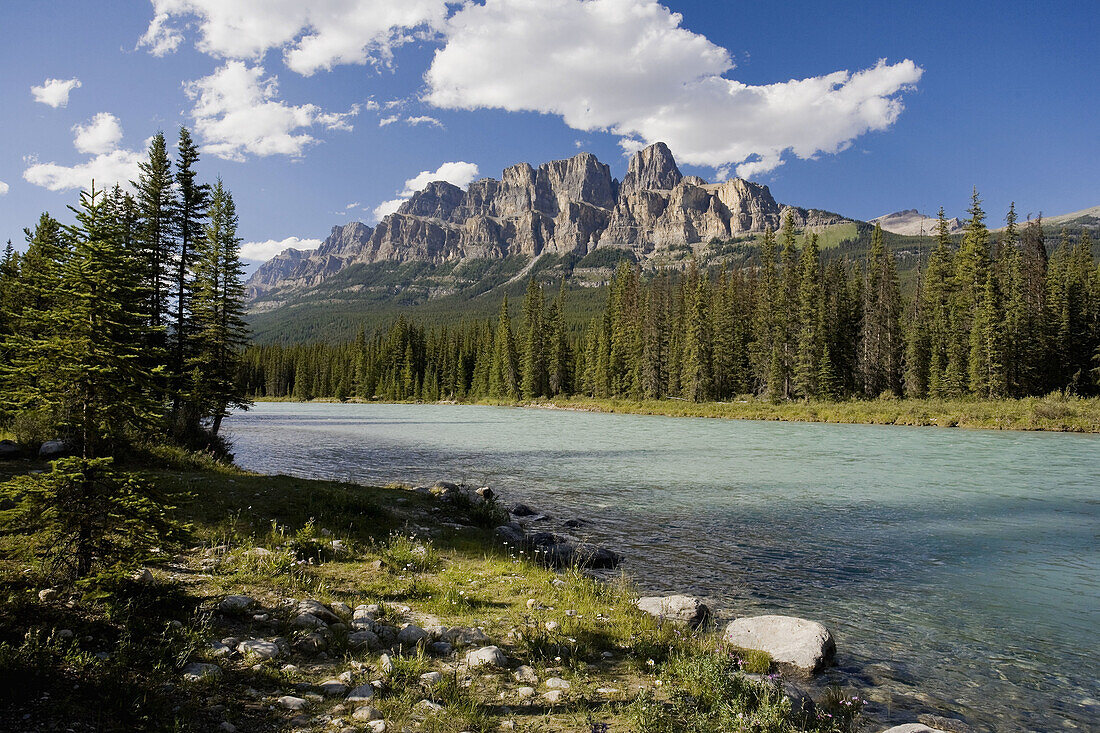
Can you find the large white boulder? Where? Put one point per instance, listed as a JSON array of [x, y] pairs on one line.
[[912, 728], [795, 644]]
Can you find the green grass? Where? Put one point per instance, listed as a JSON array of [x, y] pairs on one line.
[[274, 537]]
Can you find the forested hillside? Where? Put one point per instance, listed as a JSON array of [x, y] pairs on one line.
[[984, 315]]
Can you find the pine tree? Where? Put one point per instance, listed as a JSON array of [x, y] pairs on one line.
[[882, 344], [558, 371], [764, 317], [190, 214], [503, 380], [220, 331], [695, 379], [156, 208], [534, 356], [811, 336]]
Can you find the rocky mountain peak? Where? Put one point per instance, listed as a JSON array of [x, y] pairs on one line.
[[652, 168]]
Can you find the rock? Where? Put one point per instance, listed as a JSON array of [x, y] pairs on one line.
[[308, 621], [526, 673], [410, 635], [796, 645], [259, 649], [65, 634], [552, 626], [949, 725], [377, 726], [485, 493], [314, 643], [557, 683], [441, 649], [431, 679], [318, 610], [553, 696], [574, 523], [290, 702], [366, 713], [52, 449], [678, 608], [332, 688], [486, 656], [460, 637], [236, 604], [525, 693], [9, 450], [385, 664], [521, 510], [428, 706], [362, 693], [48, 595], [912, 728], [364, 640], [227, 727], [341, 609], [557, 551], [197, 671]]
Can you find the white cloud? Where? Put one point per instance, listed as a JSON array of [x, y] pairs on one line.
[[107, 169], [4, 188], [459, 173], [264, 251], [313, 36], [55, 92], [666, 83], [424, 120], [101, 135], [388, 120], [237, 113]]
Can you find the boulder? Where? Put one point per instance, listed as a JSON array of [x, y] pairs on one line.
[[526, 673], [912, 728], [364, 639], [677, 608], [557, 683], [236, 604], [319, 610], [557, 551], [332, 688], [52, 449], [366, 713], [197, 671], [308, 621], [410, 635], [259, 649], [289, 702], [431, 679], [486, 656], [521, 510], [362, 693], [459, 636], [9, 450], [796, 645]]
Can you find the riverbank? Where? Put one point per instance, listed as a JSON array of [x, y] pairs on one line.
[[315, 605], [1054, 413]]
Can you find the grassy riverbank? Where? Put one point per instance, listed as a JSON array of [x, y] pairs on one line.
[[1053, 413], [112, 654]]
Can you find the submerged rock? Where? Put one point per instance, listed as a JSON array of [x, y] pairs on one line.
[[796, 645], [557, 551], [678, 608]]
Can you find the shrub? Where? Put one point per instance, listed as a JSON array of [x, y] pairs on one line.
[[405, 552]]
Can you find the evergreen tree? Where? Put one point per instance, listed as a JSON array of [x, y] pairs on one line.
[[534, 356], [695, 380], [558, 371], [503, 379], [156, 208], [882, 344], [811, 327], [220, 332]]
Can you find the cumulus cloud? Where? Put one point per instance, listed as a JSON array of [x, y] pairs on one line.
[[459, 173], [4, 188], [109, 165], [665, 83], [315, 35], [101, 134], [107, 169], [55, 92], [264, 251], [237, 112]]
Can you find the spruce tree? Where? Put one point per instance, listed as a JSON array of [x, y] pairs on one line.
[[503, 377], [534, 356], [882, 344], [811, 336]]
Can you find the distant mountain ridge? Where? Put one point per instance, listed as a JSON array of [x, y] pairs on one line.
[[912, 223], [571, 206]]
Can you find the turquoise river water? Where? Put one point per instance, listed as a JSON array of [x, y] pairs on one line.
[[959, 570]]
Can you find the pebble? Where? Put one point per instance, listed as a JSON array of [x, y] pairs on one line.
[[525, 693], [366, 713]]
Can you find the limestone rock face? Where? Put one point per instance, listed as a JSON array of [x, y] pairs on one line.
[[795, 644], [562, 207]]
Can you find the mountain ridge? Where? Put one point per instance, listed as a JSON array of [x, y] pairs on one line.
[[563, 207]]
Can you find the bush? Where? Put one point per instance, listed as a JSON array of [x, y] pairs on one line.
[[406, 553], [32, 428]]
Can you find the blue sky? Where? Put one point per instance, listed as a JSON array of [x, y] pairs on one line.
[[288, 99]]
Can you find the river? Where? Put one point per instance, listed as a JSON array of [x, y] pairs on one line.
[[959, 570]]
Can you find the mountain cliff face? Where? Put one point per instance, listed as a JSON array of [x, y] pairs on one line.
[[912, 223], [562, 207]]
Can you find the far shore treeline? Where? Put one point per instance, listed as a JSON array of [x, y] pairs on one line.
[[999, 316], [119, 333]]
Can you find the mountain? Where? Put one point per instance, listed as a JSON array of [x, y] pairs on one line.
[[568, 207], [912, 223]]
